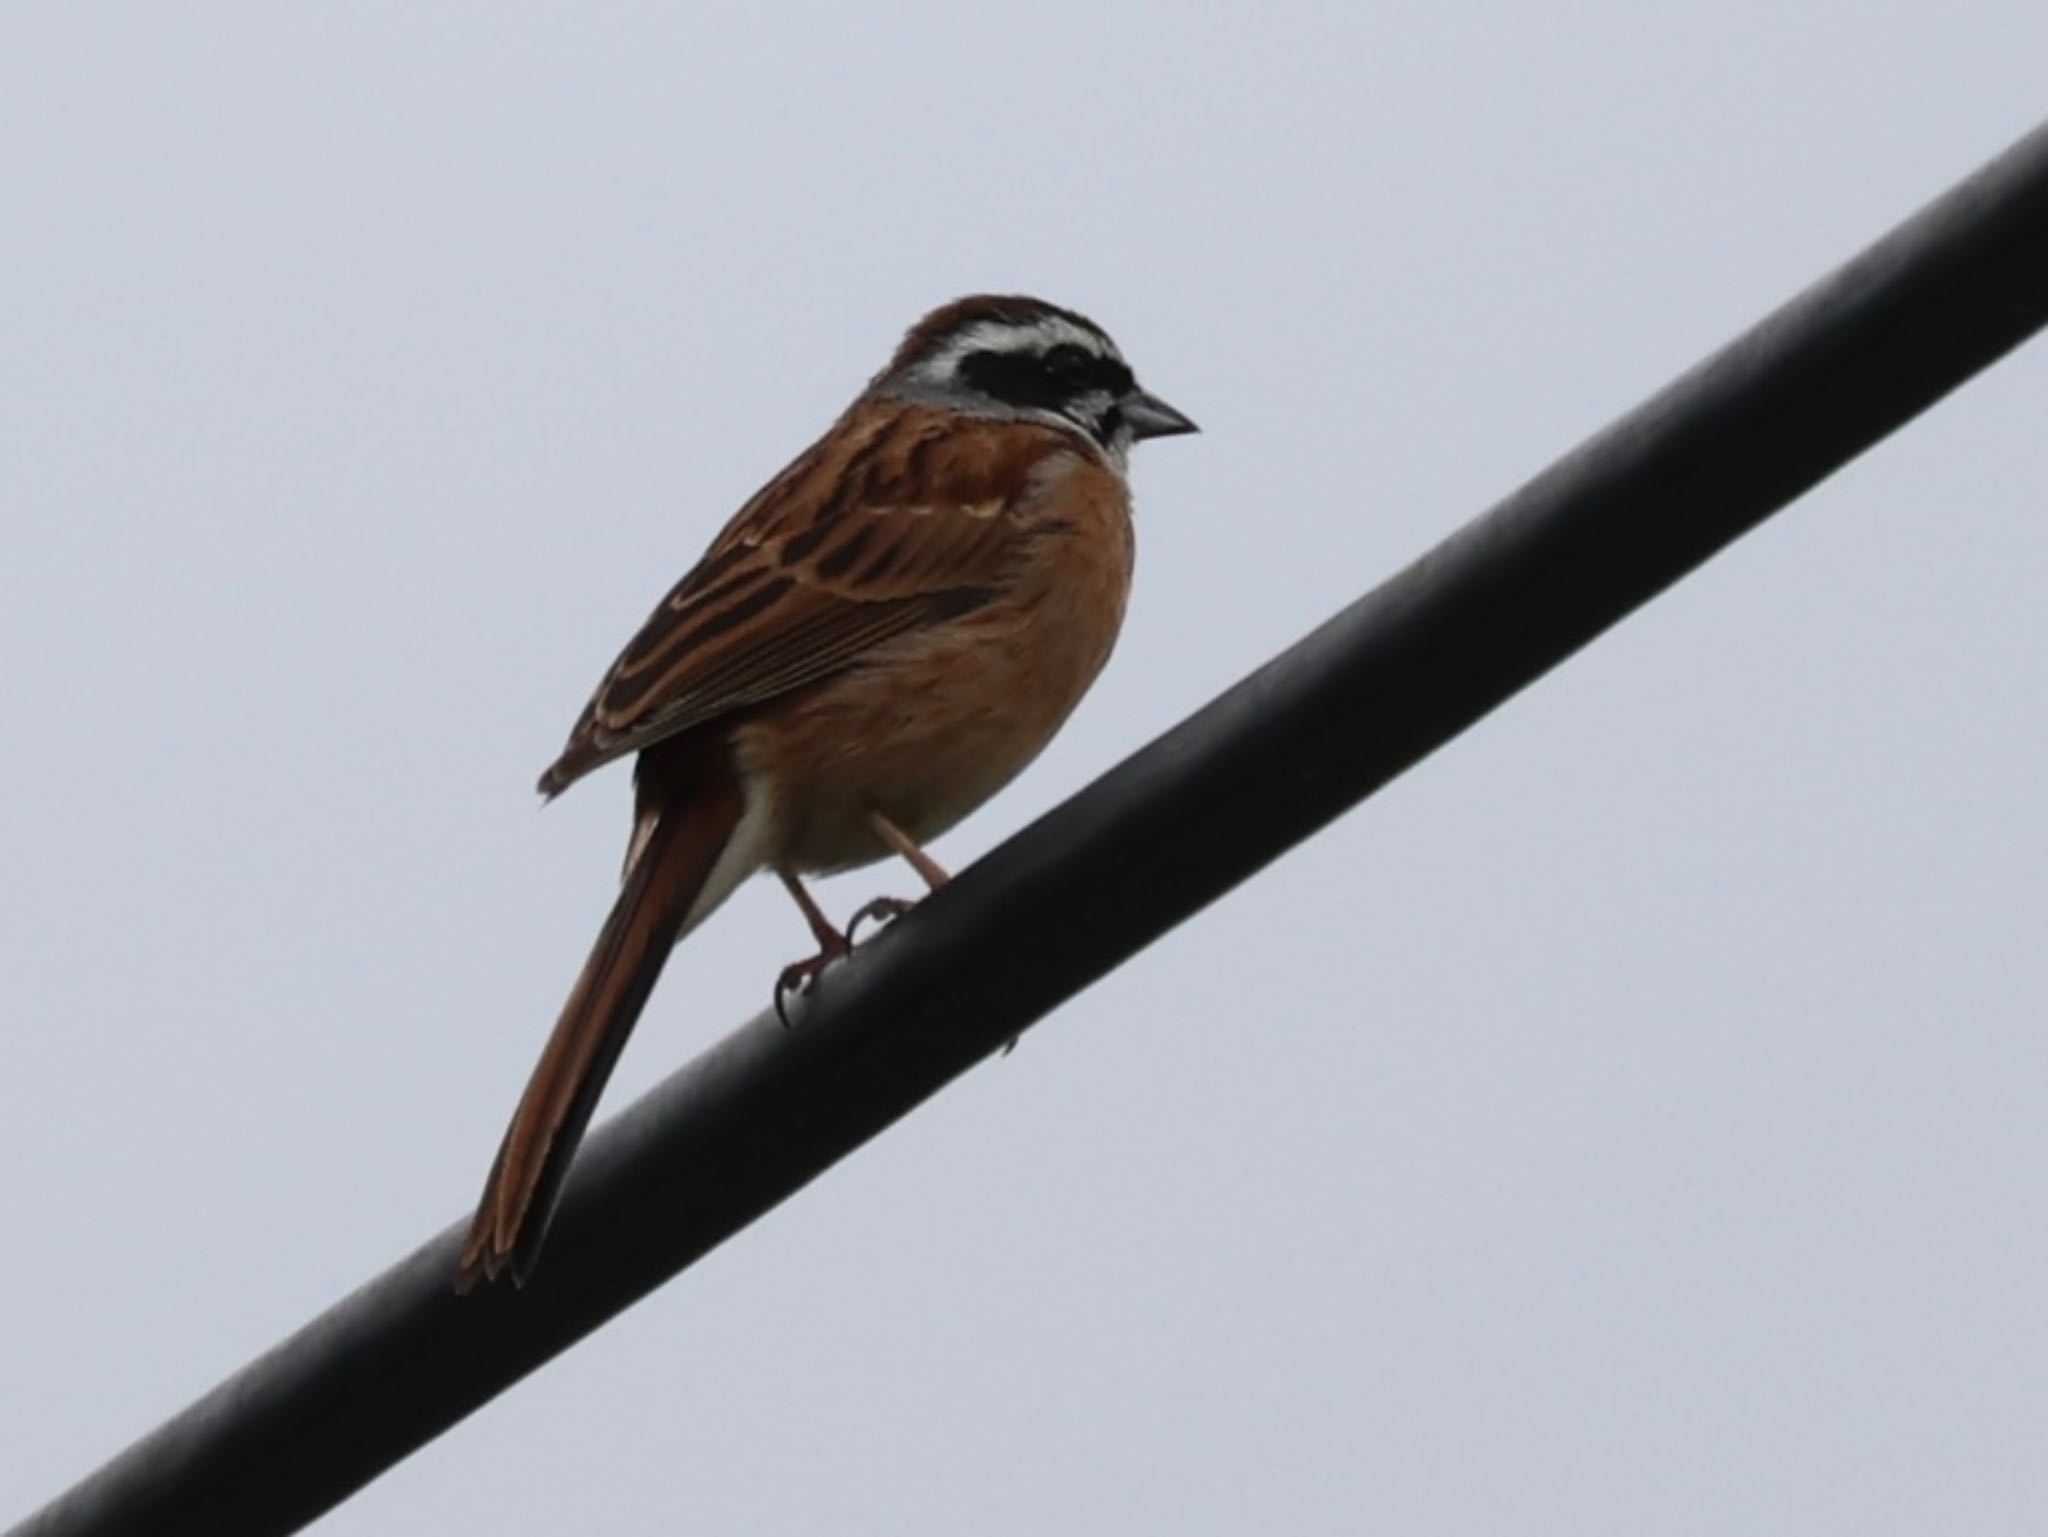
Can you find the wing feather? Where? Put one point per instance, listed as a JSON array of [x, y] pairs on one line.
[[900, 518]]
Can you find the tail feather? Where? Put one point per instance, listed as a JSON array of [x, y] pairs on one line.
[[678, 848]]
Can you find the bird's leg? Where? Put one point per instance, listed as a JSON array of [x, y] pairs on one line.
[[884, 908], [832, 945], [934, 874]]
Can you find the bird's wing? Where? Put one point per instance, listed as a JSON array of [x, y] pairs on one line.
[[899, 518]]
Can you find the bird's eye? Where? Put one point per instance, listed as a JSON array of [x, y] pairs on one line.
[[1070, 364]]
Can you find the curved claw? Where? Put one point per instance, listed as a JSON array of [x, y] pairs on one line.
[[881, 910], [798, 975]]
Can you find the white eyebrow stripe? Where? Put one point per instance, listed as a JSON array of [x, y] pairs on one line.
[[1040, 335]]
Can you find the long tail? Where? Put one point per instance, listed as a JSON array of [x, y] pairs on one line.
[[677, 851]]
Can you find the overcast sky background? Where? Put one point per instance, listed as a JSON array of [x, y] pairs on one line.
[[1632, 1120]]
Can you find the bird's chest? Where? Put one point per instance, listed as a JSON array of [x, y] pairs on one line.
[[931, 724]]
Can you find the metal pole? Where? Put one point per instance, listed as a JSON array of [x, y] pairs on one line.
[[1306, 737]]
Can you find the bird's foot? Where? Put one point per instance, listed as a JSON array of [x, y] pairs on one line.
[[797, 976], [881, 910]]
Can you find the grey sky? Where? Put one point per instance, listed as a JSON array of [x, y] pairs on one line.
[[1631, 1121]]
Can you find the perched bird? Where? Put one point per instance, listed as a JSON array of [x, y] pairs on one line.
[[875, 644]]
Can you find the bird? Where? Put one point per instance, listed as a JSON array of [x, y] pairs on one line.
[[880, 639]]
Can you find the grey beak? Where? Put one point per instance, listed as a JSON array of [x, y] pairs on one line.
[[1150, 417]]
